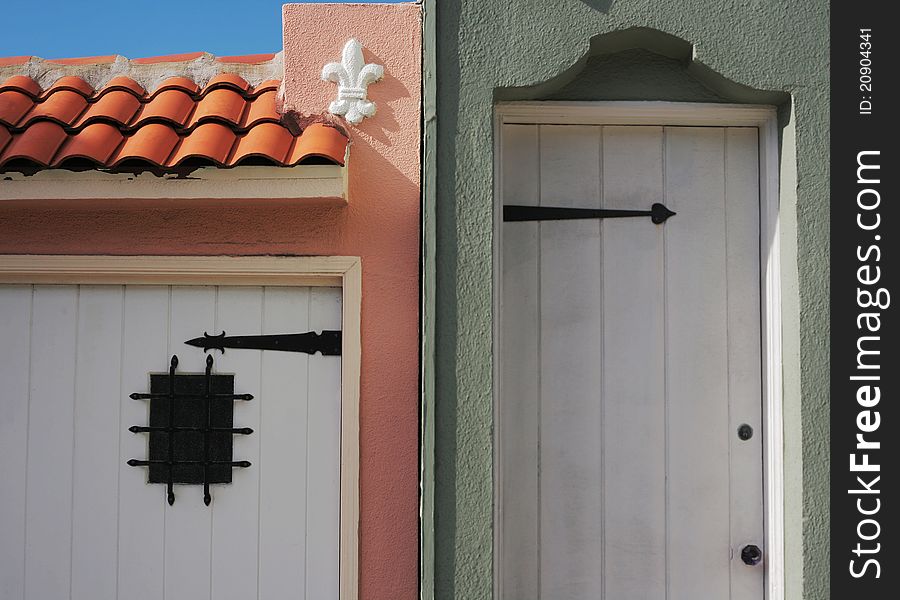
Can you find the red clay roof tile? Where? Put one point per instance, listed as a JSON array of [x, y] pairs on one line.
[[224, 104], [62, 106], [151, 143], [247, 59], [84, 60], [37, 144], [227, 80], [5, 136], [72, 83], [269, 84], [96, 142], [123, 83], [149, 60], [319, 141], [212, 141], [177, 83], [10, 61], [267, 140], [13, 106], [261, 109], [117, 105], [170, 105], [123, 126], [22, 83]]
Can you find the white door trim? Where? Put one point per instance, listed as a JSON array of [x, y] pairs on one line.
[[343, 271], [764, 118]]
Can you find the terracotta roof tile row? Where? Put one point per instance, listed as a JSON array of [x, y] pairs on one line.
[[72, 103], [224, 123]]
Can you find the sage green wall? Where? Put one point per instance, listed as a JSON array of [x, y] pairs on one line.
[[478, 52]]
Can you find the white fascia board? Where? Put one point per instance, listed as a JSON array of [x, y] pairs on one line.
[[326, 183]]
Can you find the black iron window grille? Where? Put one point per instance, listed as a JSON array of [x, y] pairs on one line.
[[191, 429]]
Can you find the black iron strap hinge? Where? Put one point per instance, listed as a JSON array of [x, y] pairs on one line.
[[658, 213], [328, 342]]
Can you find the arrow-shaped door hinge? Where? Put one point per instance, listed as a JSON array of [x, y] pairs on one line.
[[328, 342], [658, 213]]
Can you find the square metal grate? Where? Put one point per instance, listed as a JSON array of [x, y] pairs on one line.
[[191, 429]]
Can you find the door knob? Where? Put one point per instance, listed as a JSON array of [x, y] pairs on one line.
[[751, 555]]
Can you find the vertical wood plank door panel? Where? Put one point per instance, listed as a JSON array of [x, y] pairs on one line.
[[188, 522], [519, 548], [744, 370], [323, 456], [571, 367], [15, 355], [633, 393], [95, 461], [629, 357], [51, 423], [284, 398], [79, 523], [142, 508], [235, 512], [696, 364]]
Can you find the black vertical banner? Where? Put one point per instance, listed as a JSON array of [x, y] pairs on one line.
[[865, 267]]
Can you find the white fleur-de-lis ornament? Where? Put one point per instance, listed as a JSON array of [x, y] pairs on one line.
[[353, 77]]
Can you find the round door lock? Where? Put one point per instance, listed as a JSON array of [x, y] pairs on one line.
[[751, 555], [745, 432]]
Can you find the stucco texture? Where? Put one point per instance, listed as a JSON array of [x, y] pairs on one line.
[[773, 51], [380, 224]]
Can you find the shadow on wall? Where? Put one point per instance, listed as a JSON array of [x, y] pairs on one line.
[[383, 94], [601, 5], [272, 226], [642, 64], [446, 399], [636, 74]]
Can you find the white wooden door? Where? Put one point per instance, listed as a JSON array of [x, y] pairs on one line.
[[630, 357], [78, 523]]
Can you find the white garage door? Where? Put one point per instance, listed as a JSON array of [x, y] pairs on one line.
[[78, 522], [630, 362]]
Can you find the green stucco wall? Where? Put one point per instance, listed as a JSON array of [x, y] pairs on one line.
[[479, 52]]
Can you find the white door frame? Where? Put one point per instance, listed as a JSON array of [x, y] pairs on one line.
[[343, 271], [764, 118]]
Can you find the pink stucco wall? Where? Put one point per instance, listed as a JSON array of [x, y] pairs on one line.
[[384, 208], [380, 224]]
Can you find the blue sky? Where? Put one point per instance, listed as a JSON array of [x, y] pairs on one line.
[[71, 28]]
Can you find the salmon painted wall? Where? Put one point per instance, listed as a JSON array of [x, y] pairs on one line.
[[379, 224]]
